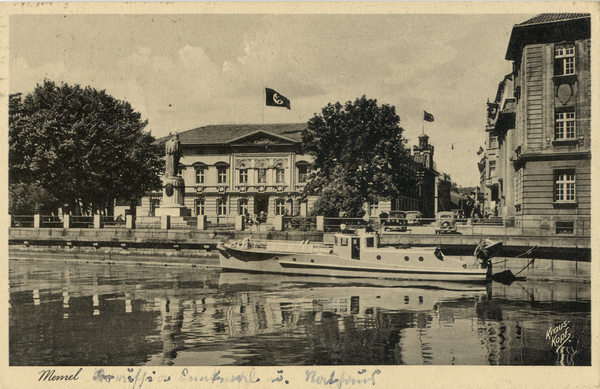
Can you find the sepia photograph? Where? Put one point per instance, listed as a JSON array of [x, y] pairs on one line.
[[299, 194]]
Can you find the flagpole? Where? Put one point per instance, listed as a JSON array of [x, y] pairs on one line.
[[263, 104]]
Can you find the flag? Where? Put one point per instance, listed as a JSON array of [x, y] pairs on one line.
[[427, 116], [274, 99], [480, 150], [492, 110]]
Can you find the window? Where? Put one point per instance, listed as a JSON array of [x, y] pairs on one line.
[[243, 176], [243, 206], [370, 242], [564, 126], [374, 208], [493, 142], [279, 175], [279, 206], [222, 174], [564, 60], [199, 205], [519, 190], [564, 186], [302, 173], [492, 166], [344, 241], [262, 175], [221, 206], [199, 175], [564, 228]]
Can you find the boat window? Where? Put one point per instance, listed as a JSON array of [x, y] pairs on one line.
[[344, 241], [370, 242]]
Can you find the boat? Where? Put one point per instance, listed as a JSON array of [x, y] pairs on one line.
[[488, 249], [357, 255]]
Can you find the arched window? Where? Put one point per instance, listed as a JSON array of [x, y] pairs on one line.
[[222, 170], [303, 169], [200, 169]]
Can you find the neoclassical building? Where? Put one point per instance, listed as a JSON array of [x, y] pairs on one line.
[[536, 169], [253, 169], [231, 170]]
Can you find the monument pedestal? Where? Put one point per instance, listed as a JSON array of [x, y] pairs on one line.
[[172, 201]]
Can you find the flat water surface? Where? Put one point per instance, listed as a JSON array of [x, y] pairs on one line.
[[113, 315]]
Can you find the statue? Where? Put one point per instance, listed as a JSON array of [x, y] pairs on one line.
[[172, 156]]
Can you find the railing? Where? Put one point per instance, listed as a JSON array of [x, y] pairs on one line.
[[492, 226], [23, 221], [299, 223], [334, 224], [112, 221], [51, 221], [220, 226], [82, 222]]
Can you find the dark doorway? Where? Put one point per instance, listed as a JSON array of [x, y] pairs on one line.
[[355, 248], [261, 204]]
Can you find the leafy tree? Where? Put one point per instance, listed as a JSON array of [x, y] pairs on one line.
[[81, 145], [30, 199], [359, 156]]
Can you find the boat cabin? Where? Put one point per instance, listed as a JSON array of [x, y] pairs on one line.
[[349, 245]]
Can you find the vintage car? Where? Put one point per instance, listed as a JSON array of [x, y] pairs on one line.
[[445, 223], [395, 221], [413, 218]]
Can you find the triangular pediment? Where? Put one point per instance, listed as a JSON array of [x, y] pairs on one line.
[[261, 138]]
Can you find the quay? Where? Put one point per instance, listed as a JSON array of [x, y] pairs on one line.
[[169, 242], [557, 258]]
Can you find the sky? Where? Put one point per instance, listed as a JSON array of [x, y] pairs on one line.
[[184, 71]]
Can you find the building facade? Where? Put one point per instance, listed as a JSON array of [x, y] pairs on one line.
[[231, 170], [254, 170], [536, 169]]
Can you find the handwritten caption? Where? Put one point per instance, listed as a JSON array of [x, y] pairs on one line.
[[138, 378]]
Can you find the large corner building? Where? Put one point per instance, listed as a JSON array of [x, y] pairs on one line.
[[536, 169]]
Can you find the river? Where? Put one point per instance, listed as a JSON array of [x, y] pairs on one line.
[[80, 314]]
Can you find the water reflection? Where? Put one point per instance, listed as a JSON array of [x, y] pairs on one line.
[[82, 314]]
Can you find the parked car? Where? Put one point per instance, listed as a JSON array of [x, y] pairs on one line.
[[395, 221], [413, 218], [459, 215], [445, 222]]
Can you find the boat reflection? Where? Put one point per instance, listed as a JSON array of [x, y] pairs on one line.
[[351, 296], [123, 315]]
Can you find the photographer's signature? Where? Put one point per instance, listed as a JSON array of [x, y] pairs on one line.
[[559, 335]]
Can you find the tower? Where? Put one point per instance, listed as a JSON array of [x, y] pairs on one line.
[[423, 153]]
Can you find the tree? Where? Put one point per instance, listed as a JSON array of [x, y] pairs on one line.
[[30, 199], [81, 145], [359, 156]]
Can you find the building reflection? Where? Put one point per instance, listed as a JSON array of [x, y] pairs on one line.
[[129, 316]]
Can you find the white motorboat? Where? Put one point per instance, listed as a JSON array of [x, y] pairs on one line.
[[357, 255]]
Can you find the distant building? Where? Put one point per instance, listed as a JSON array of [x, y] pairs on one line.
[[444, 197], [536, 169]]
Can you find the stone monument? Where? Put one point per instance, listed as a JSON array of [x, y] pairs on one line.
[[173, 186]]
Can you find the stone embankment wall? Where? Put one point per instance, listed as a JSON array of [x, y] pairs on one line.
[[564, 259]]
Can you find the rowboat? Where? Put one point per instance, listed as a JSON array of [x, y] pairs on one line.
[[357, 255]]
